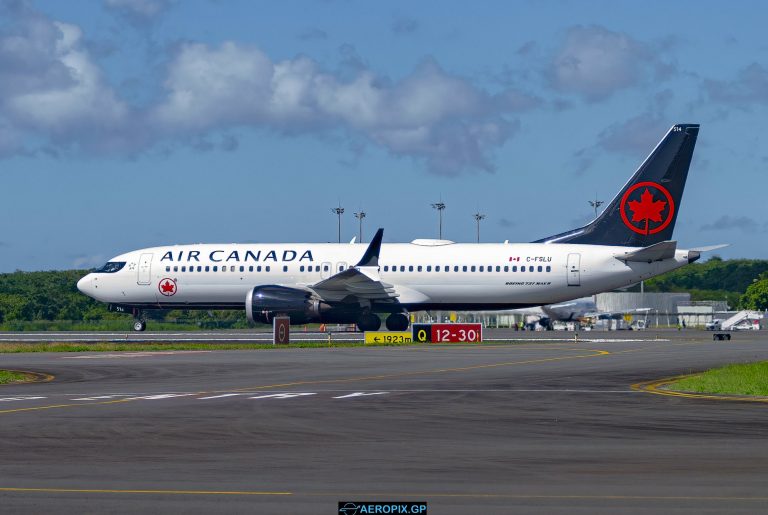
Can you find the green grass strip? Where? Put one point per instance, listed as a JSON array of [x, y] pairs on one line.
[[8, 377], [7, 348], [741, 379]]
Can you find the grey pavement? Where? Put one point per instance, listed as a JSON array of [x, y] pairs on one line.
[[537, 427]]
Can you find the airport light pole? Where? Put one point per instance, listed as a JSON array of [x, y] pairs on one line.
[[338, 211], [596, 204], [478, 217], [440, 206], [360, 215]]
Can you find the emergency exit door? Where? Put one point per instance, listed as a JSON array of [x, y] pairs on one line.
[[574, 272], [145, 269]]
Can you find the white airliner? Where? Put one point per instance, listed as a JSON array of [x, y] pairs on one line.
[[350, 283]]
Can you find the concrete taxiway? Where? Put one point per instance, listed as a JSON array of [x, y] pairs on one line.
[[536, 427]]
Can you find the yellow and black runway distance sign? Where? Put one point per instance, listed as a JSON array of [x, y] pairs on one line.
[[388, 337]]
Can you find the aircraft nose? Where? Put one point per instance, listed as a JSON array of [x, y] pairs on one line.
[[84, 284]]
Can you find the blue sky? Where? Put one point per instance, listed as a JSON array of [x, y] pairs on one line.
[[133, 123]]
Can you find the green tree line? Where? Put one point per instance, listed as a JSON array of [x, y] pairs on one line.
[[48, 297], [715, 279]]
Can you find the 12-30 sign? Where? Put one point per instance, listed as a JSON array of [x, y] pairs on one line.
[[447, 333]]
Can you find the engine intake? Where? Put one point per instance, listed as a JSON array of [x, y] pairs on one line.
[[263, 303]]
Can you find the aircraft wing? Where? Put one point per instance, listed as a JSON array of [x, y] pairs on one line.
[[360, 282]]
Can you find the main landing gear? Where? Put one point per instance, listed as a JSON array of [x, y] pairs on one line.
[[139, 324], [398, 322], [368, 322]]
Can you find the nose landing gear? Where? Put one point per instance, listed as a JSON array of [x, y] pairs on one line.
[[139, 324]]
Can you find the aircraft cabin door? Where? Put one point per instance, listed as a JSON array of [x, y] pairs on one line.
[[325, 271], [145, 269], [574, 274]]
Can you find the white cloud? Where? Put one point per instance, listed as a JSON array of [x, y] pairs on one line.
[[750, 87], [51, 88], [54, 96], [138, 11], [595, 62], [429, 115]]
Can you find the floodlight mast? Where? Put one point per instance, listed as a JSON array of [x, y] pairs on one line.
[[440, 206], [338, 211]]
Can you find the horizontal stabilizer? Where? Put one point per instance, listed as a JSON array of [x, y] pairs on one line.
[[656, 252], [711, 247], [695, 254]]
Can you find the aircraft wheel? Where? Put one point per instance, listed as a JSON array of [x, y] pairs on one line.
[[398, 322], [368, 322], [139, 325]]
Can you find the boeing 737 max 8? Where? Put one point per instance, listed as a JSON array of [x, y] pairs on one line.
[[350, 283]]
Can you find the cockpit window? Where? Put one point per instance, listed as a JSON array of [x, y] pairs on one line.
[[110, 268]]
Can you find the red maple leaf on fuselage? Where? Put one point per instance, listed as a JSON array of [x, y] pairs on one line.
[[647, 209], [167, 287]]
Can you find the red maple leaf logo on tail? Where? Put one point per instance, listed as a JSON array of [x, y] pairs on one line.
[[647, 209]]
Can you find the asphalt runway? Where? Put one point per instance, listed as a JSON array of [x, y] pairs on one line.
[[526, 428], [265, 336]]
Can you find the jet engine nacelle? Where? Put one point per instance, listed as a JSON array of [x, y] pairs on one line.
[[263, 303]]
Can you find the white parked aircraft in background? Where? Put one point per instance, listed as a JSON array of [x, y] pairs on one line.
[[349, 283]]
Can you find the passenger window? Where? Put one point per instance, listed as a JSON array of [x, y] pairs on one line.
[[410, 268], [325, 268], [317, 268], [199, 268], [418, 268], [207, 268], [473, 268], [167, 268], [301, 268], [223, 269], [285, 268], [464, 268], [267, 268], [402, 268], [482, 268], [242, 268], [429, 268], [184, 269], [540, 268], [549, 268], [490, 268], [215, 268], [231, 268], [514, 268], [498, 268], [250, 268], [506, 268], [437, 268], [175, 268], [258, 268], [530, 269], [456, 269]]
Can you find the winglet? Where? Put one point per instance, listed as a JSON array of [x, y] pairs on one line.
[[371, 256]]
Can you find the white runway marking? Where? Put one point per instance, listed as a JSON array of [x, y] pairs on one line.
[[11, 399], [158, 397], [219, 396], [360, 394], [282, 395]]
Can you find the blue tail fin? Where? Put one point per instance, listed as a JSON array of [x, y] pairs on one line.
[[645, 210]]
